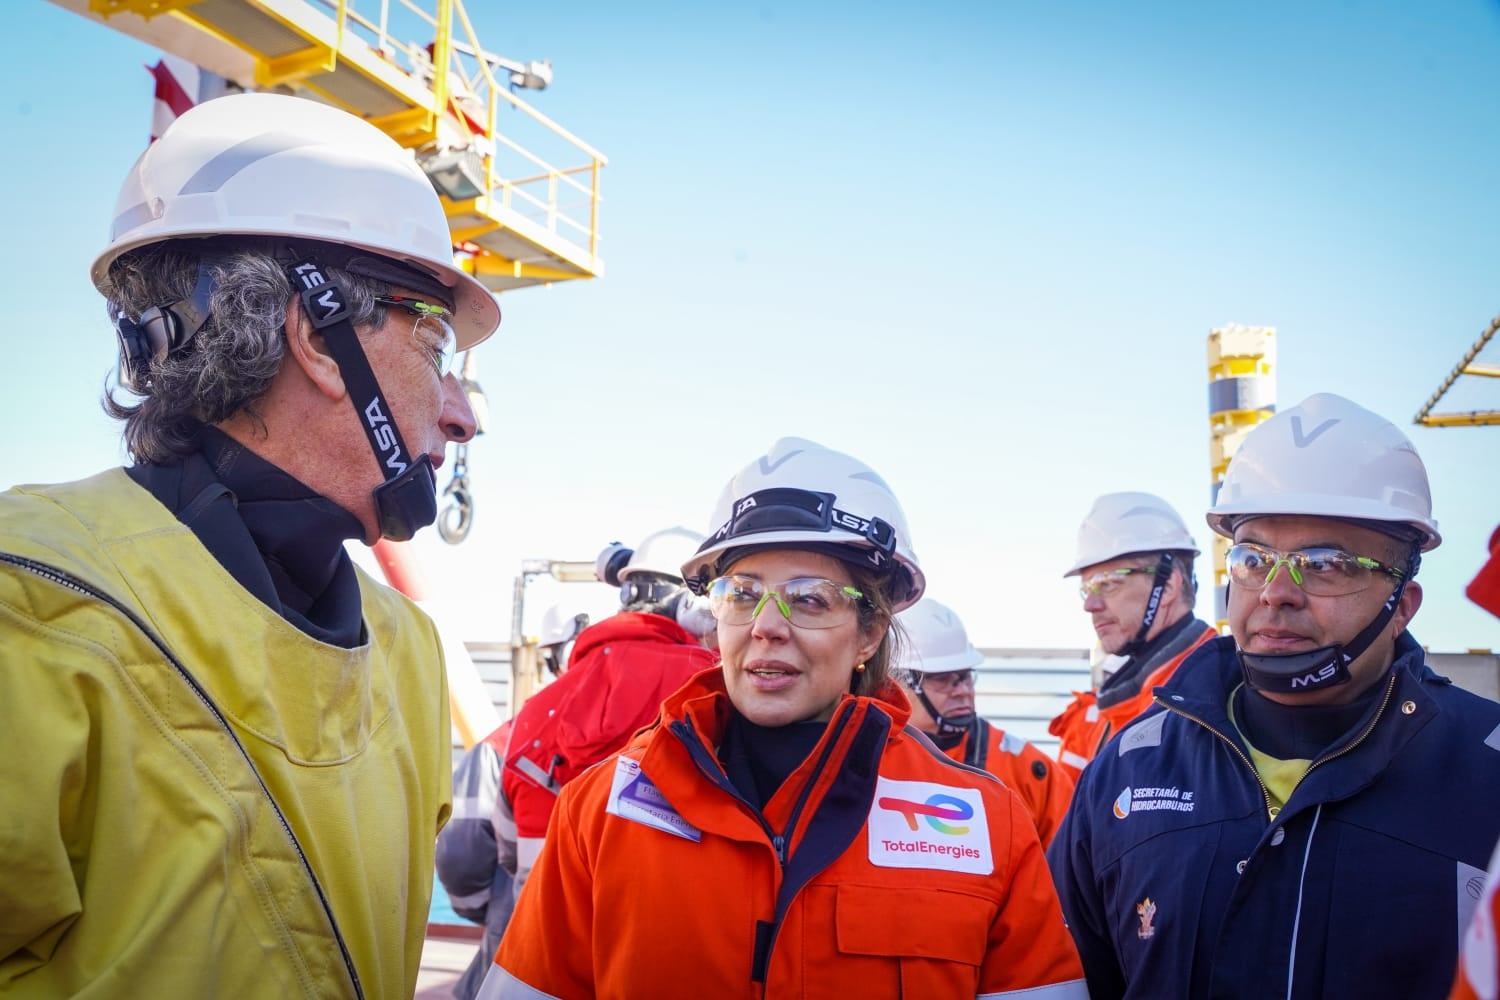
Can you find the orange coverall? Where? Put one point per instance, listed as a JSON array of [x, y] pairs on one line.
[[879, 869]]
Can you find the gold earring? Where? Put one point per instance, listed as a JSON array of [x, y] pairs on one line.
[[859, 668]]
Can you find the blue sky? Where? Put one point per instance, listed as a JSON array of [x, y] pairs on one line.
[[978, 245]]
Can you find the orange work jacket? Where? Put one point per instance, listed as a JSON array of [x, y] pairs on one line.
[[880, 868], [1044, 787], [1093, 717]]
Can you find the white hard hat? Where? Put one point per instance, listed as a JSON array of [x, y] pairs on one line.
[[663, 553], [279, 166], [1123, 523], [558, 626], [936, 640], [1327, 457], [802, 492]]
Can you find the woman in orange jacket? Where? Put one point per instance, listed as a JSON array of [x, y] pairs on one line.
[[780, 832]]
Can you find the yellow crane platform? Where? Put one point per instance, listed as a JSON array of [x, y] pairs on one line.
[[518, 217], [1471, 367]]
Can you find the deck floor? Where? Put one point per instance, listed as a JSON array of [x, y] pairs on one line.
[[443, 961]]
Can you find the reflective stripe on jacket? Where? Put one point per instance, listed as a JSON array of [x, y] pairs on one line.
[[1093, 717], [879, 869], [1045, 789], [209, 802], [1177, 881]]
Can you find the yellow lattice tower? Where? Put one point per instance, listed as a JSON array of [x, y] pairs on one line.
[[1241, 393]]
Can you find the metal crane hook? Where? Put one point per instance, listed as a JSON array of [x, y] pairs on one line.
[[458, 517]]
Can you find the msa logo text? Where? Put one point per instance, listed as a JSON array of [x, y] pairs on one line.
[[328, 300], [1314, 679], [850, 521], [385, 436]]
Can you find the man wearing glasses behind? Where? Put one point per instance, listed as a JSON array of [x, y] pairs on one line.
[[1135, 569], [937, 667], [1309, 812]]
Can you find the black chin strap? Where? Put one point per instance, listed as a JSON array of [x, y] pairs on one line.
[[1153, 605], [947, 725], [407, 500], [1326, 666]]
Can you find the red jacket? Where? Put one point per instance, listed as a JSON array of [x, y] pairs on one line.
[[620, 671], [1086, 724], [1044, 787], [879, 869]]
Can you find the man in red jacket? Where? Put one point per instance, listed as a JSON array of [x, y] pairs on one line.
[[620, 671]]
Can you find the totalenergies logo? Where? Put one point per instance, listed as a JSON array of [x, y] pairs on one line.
[[935, 810]]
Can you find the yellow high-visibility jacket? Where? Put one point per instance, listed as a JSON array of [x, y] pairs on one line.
[[196, 798]]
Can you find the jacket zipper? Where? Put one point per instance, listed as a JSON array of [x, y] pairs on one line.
[[1270, 809], [63, 579], [1265, 792], [1390, 689], [779, 841]]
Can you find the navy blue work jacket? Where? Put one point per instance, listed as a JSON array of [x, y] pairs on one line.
[[1178, 881]]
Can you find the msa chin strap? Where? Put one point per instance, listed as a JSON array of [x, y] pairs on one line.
[[1326, 666], [407, 500], [161, 330], [1153, 604]]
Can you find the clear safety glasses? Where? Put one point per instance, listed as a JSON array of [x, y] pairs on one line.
[[950, 680], [1323, 572], [432, 330], [1109, 581], [806, 602]]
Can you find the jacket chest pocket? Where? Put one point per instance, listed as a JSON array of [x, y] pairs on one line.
[[879, 941]]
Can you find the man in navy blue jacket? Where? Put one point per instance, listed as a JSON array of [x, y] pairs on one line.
[[1310, 808]]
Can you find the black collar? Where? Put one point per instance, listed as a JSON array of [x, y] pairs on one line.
[[280, 540]]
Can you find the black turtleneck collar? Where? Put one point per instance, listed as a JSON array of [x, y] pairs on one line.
[[1301, 732], [758, 759], [279, 540], [1131, 671]]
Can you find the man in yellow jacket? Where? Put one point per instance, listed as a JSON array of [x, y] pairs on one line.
[[229, 747]]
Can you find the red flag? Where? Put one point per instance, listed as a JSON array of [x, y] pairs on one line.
[[172, 93]]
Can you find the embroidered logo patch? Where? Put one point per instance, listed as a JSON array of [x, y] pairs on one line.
[[632, 796], [1146, 911], [921, 824], [1152, 797]]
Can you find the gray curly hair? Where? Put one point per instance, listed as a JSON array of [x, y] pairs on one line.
[[231, 361]]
